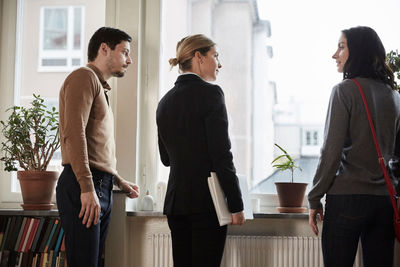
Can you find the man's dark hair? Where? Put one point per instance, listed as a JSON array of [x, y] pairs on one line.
[[367, 56], [110, 36]]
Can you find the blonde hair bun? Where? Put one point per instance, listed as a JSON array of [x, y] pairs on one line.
[[173, 62]]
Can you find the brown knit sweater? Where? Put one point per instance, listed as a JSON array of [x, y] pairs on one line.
[[87, 126]]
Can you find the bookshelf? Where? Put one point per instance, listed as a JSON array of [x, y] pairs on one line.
[[31, 238]]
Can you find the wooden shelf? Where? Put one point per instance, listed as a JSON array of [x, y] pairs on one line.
[[21, 212]]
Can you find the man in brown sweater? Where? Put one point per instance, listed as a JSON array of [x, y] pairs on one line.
[[84, 189]]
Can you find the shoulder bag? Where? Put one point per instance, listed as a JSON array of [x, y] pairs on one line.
[[392, 192]]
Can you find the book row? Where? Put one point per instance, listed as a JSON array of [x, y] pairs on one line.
[[31, 242]]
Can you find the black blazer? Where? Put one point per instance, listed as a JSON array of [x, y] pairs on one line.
[[193, 140]]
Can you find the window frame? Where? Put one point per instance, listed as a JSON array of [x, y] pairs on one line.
[[9, 56]]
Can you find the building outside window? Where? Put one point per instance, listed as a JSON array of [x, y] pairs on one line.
[[61, 38]]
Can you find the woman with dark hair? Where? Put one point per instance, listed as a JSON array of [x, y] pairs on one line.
[[357, 204]]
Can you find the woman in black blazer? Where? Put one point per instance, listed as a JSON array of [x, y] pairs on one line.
[[193, 140]]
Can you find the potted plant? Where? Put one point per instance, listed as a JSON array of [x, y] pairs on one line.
[[290, 194], [31, 138], [393, 60]]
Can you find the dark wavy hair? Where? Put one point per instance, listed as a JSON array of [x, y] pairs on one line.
[[110, 36], [367, 56]]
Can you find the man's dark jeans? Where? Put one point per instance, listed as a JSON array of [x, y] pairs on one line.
[[351, 217], [84, 246]]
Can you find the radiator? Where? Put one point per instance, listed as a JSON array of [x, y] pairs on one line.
[[162, 250], [255, 251]]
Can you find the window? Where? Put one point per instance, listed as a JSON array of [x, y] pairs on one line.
[[244, 51], [312, 141], [277, 77], [305, 73], [47, 36], [311, 138], [61, 38]]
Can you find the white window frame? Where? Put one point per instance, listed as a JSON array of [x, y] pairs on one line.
[[9, 55], [69, 53]]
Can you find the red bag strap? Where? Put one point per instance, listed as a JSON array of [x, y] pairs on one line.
[[378, 150]]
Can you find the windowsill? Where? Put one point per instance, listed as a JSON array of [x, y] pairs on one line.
[[17, 212], [54, 212], [16, 205], [267, 212], [260, 215]]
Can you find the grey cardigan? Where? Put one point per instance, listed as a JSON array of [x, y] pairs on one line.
[[349, 163]]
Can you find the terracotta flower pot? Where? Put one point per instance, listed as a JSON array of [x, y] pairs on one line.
[[37, 188], [291, 196]]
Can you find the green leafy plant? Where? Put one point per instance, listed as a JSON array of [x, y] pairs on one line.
[[284, 162], [393, 60], [31, 136]]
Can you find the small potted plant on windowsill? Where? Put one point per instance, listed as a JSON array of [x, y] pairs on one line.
[[31, 138], [290, 194]]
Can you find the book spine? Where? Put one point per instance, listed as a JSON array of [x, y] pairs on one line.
[[21, 243], [3, 224], [32, 235], [10, 233], [6, 249], [21, 231], [54, 239], [6, 234], [57, 246], [20, 259], [51, 236], [15, 233], [34, 261], [38, 234], [46, 235], [28, 232]]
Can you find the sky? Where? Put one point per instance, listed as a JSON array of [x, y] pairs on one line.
[[304, 36]]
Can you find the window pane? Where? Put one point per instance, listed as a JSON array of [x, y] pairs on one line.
[[54, 62], [315, 138], [308, 138], [76, 62], [77, 27], [55, 28]]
